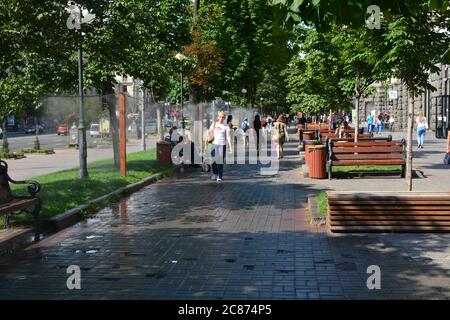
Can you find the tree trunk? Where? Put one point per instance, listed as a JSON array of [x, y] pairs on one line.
[[193, 93], [5, 147], [357, 98], [196, 7], [409, 141]]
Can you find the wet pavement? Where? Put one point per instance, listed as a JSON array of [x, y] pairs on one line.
[[188, 237]]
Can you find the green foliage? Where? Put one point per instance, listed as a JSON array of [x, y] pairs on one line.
[[324, 14], [12, 155], [250, 45], [41, 150], [414, 45], [316, 77]]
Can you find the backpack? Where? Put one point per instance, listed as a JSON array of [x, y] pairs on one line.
[[245, 126], [447, 159]]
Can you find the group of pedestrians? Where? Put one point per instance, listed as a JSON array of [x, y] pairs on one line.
[[376, 123], [221, 137]]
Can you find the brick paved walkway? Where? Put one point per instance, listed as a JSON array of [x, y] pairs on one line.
[[248, 238]]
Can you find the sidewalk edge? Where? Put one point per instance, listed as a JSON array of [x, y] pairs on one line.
[[72, 216]]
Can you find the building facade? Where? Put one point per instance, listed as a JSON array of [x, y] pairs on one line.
[[434, 104]]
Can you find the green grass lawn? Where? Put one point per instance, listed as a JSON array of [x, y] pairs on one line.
[[321, 199], [365, 168], [63, 190]]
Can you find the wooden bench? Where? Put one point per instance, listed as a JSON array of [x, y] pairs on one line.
[[316, 126], [366, 153], [388, 212], [361, 137], [10, 203], [350, 131]]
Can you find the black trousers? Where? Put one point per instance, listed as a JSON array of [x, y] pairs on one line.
[[218, 154]]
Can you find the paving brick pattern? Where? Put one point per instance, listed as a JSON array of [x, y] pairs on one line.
[[248, 238]]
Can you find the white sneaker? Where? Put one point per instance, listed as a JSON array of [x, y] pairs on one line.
[[219, 180], [214, 177]]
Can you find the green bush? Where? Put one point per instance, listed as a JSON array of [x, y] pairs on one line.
[[12, 155], [44, 151]]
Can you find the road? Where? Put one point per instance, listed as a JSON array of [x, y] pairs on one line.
[[66, 158], [18, 141]]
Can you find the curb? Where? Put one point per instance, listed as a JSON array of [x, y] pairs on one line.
[[75, 215], [315, 219]]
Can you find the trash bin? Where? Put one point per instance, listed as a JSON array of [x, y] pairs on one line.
[[317, 161], [164, 152], [308, 144], [307, 135]]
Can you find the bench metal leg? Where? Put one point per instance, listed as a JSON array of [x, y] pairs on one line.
[[6, 220], [403, 171], [37, 224]]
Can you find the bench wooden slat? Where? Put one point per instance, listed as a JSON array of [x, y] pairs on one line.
[[364, 156], [362, 211], [370, 143], [355, 208], [387, 195], [381, 149], [424, 217], [368, 162], [391, 223], [17, 205], [400, 202], [365, 229]]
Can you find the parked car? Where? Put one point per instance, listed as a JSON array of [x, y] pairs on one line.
[[95, 130], [1, 133], [62, 130], [33, 128]]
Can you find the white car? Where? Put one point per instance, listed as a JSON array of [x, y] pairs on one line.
[[95, 130], [1, 133]]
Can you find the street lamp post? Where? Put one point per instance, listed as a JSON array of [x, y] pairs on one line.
[[181, 57], [244, 91], [225, 93], [75, 21]]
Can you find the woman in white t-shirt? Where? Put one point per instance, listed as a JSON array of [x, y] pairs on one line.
[[222, 137], [422, 126]]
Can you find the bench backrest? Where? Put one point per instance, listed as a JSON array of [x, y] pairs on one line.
[[325, 131], [366, 150], [349, 134], [5, 190], [315, 126]]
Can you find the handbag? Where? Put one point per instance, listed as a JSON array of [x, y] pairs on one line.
[[276, 136], [210, 137]]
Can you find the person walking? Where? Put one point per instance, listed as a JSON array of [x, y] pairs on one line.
[[379, 123], [280, 135], [370, 123], [264, 123], [391, 123], [245, 126], [269, 123], [222, 137], [422, 126], [230, 121], [257, 126]]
